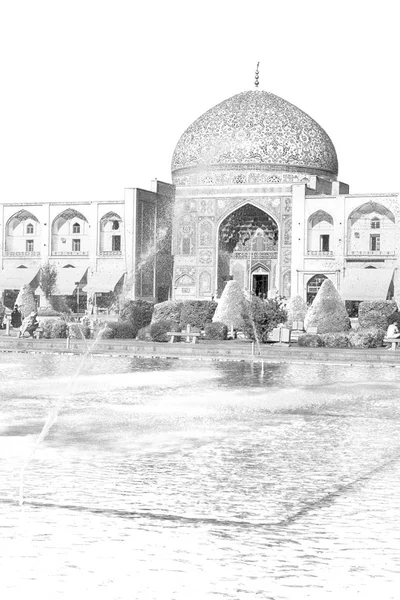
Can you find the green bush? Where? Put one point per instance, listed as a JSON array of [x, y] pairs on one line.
[[367, 338], [158, 331], [376, 314], [394, 318], [261, 316], [107, 333], [310, 341], [47, 326], [144, 334], [123, 330], [78, 331], [335, 340], [170, 310], [197, 313], [215, 331], [59, 329], [327, 312], [137, 313]]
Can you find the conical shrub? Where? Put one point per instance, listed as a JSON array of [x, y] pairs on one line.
[[296, 309], [230, 306], [26, 301], [327, 312]]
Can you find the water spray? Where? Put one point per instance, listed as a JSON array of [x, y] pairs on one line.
[[53, 414]]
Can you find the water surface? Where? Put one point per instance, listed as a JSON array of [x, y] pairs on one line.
[[168, 479]]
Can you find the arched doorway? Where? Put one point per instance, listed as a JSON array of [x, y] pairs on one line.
[[247, 249], [313, 286]]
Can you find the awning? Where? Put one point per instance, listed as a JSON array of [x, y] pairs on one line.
[[103, 281], [366, 284], [14, 278], [67, 278]]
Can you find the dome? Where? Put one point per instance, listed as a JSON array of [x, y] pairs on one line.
[[255, 130]]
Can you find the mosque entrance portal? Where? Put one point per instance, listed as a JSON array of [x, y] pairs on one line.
[[248, 250]]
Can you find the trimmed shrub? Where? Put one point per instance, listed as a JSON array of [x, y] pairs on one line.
[[310, 341], [77, 331], [394, 318], [158, 331], [231, 306], [59, 329], [169, 310], [376, 314], [327, 312], [296, 310], [26, 301], [137, 313], [197, 313], [215, 331], [367, 338], [47, 326], [123, 330], [336, 340], [144, 334], [261, 316], [107, 333]]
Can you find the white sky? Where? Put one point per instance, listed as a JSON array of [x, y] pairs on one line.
[[95, 94]]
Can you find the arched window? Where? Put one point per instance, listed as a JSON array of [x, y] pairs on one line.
[[29, 228], [111, 232], [115, 225], [76, 228], [320, 233], [313, 286]]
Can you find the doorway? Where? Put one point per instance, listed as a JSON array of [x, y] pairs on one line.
[[260, 285]]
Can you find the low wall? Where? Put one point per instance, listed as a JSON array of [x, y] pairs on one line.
[[206, 351]]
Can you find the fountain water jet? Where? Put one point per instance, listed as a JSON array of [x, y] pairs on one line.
[[53, 414]]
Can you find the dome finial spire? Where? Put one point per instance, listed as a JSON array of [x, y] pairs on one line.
[[257, 76]]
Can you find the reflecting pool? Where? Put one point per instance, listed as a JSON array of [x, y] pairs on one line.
[[173, 479]]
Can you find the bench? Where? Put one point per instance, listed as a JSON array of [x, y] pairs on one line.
[[186, 334], [393, 341]]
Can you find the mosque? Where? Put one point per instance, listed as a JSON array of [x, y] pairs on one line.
[[255, 197]]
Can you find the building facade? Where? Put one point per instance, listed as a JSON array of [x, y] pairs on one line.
[[258, 200], [103, 249], [255, 197]]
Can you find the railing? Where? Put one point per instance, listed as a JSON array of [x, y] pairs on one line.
[[319, 253], [371, 253], [19, 254], [110, 252], [72, 253]]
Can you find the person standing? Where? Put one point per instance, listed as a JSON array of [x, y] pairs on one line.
[[16, 319]]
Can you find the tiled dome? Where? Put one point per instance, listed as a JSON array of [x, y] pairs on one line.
[[255, 130]]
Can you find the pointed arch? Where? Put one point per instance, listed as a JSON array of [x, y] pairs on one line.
[[22, 234], [320, 233], [69, 233], [111, 233], [205, 283], [371, 229]]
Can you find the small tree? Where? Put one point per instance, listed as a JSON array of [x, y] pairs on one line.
[[296, 309], [377, 313], [230, 306], [26, 301], [137, 313], [48, 280], [261, 316], [327, 312]]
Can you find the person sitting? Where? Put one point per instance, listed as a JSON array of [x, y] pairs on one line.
[[393, 331], [29, 324]]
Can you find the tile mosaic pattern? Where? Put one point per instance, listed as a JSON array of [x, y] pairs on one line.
[[256, 127]]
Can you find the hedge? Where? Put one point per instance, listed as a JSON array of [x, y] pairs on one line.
[[336, 340], [158, 331], [376, 314], [367, 338], [122, 330], [309, 340], [215, 331], [169, 310], [197, 313], [136, 313]]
